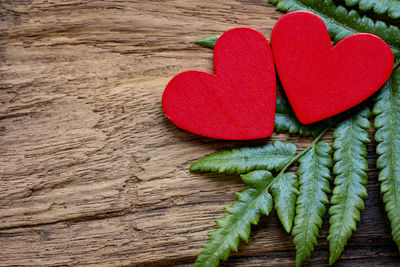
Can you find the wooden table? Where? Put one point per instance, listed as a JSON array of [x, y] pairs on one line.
[[91, 171]]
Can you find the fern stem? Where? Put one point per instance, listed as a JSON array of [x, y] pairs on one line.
[[295, 158]]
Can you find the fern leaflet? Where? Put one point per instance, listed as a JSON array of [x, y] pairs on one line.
[[350, 168], [314, 185], [208, 41], [237, 223], [284, 191], [272, 156], [387, 111], [391, 7]]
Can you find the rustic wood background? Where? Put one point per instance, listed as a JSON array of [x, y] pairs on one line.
[[92, 173]]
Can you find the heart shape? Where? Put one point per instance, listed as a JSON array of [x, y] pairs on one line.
[[320, 80], [238, 102]]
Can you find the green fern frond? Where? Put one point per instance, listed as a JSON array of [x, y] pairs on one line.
[[237, 224], [387, 111], [314, 178], [284, 190], [380, 7], [342, 23], [339, 21], [270, 157], [350, 168]]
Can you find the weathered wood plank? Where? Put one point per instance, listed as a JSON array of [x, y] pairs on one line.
[[92, 173]]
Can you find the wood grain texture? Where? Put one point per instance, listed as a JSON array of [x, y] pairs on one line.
[[91, 171]]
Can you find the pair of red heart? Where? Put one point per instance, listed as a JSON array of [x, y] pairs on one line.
[[238, 102]]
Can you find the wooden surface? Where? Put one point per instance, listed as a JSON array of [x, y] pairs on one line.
[[91, 172]]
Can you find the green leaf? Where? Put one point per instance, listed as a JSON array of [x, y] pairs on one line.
[[350, 168], [342, 23], [286, 121], [208, 41], [284, 191], [387, 111], [237, 223], [314, 178], [272, 156], [391, 7]]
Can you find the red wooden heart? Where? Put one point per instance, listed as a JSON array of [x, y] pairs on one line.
[[320, 80], [238, 102]]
